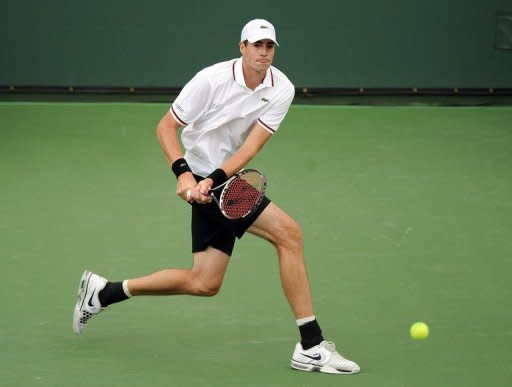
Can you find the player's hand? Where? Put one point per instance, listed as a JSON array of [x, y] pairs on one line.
[[205, 186], [201, 192], [185, 185]]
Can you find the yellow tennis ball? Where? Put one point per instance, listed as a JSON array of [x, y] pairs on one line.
[[419, 331]]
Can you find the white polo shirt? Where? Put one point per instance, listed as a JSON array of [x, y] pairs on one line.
[[218, 111]]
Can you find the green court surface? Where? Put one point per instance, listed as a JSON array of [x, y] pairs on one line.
[[406, 213]]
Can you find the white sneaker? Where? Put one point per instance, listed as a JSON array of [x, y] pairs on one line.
[[88, 303], [324, 358]]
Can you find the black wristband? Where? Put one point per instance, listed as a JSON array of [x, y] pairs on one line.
[[180, 166], [218, 176]]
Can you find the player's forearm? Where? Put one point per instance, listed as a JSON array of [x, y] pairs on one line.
[[230, 167], [169, 141], [239, 160], [250, 148]]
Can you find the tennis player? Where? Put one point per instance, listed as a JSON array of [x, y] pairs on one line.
[[228, 111]]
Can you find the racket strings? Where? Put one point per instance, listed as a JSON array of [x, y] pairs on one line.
[[242, 195]]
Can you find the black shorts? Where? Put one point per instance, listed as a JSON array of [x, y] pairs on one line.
[[211, 228]]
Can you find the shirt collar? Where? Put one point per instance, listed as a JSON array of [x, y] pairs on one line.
[[238, 75]]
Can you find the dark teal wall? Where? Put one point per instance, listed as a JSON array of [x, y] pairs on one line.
[[365, 43]]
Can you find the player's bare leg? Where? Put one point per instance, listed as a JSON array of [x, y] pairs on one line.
[[203, 279], [95, 293], [312, 353], [285, 234]]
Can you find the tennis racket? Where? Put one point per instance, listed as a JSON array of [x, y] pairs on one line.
[[239, 197]]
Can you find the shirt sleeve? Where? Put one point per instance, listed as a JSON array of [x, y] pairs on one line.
[[192, 100], [272, 118]]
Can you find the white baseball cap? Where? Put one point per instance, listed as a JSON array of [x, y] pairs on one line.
[[258, 29]]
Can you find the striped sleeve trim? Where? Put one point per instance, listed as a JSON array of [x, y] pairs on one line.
[[266, 127], [177, 118]]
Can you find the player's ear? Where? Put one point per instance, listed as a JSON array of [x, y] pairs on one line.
[[243, 47]]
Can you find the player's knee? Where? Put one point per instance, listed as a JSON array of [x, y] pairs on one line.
[[290, 236], [295, 232], [209, 291], [207, 288]]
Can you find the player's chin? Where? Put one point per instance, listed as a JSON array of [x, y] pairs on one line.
[[263, 66]]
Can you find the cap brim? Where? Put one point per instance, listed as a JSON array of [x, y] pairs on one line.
[[255, 38]]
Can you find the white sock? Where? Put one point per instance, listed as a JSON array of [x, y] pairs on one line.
[[125, 289], [305, 320]]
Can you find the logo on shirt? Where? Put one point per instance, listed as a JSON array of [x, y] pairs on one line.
[[265, 99], [179, 107]]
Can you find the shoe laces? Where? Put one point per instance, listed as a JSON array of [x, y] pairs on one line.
[[336, 358], [330, 346]]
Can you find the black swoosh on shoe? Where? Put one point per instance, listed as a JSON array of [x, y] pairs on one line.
[[314, 357], [90, 299]]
